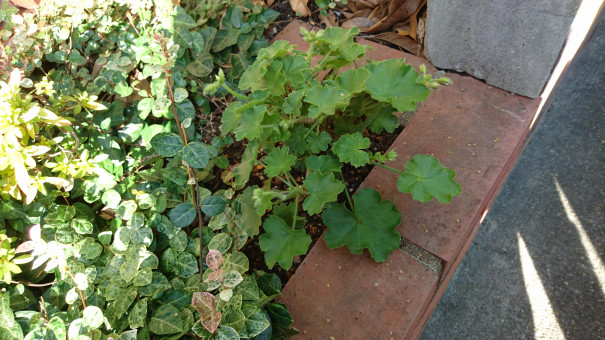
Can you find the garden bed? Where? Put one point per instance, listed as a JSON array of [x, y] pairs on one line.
[[474, 128], [168, 139]]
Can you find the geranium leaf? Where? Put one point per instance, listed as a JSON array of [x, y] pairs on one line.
[[318, 143], [394, 82], [323, 163], [323, 188], [340, 40], [373, 226], [167, 144], [281, 244], [250, 123], [425, 178], [353, 80], [326, 99], [278, 161], [348, 148]]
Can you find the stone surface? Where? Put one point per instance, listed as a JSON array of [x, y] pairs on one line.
[[487, 296], [511, 44]]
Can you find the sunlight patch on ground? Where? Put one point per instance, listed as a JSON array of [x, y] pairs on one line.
[[545, 322], [591, 253]]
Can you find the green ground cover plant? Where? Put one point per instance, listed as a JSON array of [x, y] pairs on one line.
[[309, 118], [112, 224]]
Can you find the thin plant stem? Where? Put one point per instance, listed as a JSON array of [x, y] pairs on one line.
[[235, 94], [295, 210], [388, 168], [347, 193]]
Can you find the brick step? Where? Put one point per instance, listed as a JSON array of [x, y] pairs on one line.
[[475, 129]]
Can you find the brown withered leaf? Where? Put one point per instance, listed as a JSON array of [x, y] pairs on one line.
[[359, 14], [414, 22], [347, 14], [398, 11], [329, 20], [300, 6], [402, 41], [362, 23]]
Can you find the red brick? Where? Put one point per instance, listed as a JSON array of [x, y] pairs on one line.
[[334, 293]]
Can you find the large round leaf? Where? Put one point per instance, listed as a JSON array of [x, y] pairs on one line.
[[372, 226], [425, 178]]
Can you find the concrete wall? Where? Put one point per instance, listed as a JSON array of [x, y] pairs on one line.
[[511, 44]]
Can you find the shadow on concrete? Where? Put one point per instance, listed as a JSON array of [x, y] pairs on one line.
[[487, 297]]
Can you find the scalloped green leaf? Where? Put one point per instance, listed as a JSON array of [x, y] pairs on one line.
[[278, 161], [323, 189], [425, 178], [323, 164], [373, 226], [353, 80], [318, 143], [250, 123], [341, 41], [349, 148], [281, 244], [167, 144], [394, 82], [326, 99]]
